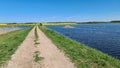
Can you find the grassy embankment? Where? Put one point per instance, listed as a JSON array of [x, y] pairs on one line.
[[81, 55], [9, 43]]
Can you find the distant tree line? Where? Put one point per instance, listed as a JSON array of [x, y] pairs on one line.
[[118, 21]]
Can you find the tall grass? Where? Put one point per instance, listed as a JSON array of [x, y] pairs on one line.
[[9, 43], [81, 55]]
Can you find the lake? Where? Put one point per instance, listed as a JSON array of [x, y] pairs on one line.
[[103, 37]]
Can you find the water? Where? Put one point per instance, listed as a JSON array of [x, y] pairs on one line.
[[104, 37]]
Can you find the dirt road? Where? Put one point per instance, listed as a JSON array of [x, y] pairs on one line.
[[52, 57], [23, 57]]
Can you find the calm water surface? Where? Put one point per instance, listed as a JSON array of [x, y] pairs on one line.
[[104, 37]]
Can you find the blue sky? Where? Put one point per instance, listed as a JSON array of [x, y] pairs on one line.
[[59, 10]]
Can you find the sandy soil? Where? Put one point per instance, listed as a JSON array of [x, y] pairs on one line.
[[4, 31], [52, 56], [7, 30]]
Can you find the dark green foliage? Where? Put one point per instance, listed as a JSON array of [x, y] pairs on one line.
[[117, 21], [41, 24]]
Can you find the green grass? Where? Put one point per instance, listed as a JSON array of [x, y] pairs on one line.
[[36, 56], [36, 36], [9, 43], [81, 55]]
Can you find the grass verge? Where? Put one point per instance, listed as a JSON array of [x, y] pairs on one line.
[[81, 55], [9, 43]]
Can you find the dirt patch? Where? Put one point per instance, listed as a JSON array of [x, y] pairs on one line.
[[2, 31]]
